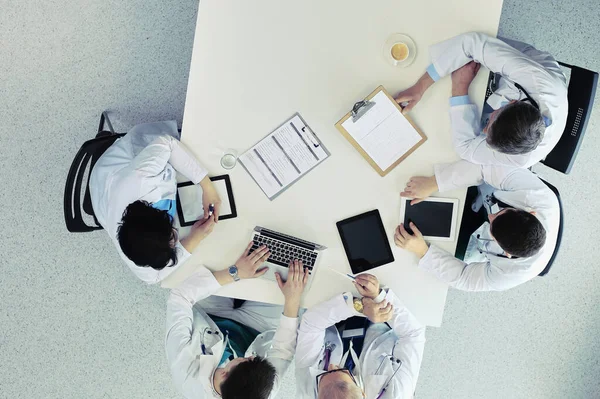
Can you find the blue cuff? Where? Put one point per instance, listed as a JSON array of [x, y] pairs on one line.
[[433, 73], [547, 121], [459, 100]]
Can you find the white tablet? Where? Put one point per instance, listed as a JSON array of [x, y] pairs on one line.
[[435, 218]]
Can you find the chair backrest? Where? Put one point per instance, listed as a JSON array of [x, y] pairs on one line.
[[87, 155], [471, 221], [582, 90], [560, 229]]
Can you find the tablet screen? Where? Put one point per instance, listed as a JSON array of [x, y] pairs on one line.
[[433, 219], [189, 200], [365, 241]]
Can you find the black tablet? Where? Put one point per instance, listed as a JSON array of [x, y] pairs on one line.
[[434, 217], [365, 241]]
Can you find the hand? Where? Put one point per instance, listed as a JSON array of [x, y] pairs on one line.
[[248, 265], [414, 243], [293, 287], [377, 312], [210, 197], [462, 78], [419, 187], [367, 285], [413, 94], [202, 228]]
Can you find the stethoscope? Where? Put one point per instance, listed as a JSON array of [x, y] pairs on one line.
[[486, 252], [396, 365], [194, 368], [482, 247], [208, 332]]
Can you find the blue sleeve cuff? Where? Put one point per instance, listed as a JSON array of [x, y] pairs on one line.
[[459, 100], [433, 73]]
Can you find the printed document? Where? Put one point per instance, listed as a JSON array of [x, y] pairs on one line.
[[284, 156]]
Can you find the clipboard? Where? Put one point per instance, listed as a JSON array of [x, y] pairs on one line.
[[362, 108], [190, 222]]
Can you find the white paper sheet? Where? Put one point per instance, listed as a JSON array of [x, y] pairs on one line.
[[383, 132], [190, 198], [284, 156]]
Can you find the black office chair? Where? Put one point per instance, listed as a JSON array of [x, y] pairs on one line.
[[471, 221], [581, 93], [560, 228], [84, 161]]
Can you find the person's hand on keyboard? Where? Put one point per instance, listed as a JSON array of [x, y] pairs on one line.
[[293, 288], [248, 264]]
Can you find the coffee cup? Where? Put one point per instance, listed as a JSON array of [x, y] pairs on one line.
[[399, 51]]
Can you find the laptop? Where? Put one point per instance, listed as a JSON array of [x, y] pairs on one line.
[[284, 249]]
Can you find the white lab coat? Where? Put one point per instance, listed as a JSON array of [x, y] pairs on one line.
[[405, 341], [192, 371], [536, 71], [517, 187], [141, 166]]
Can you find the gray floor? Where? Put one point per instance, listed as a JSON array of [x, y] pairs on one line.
[[75, 324]]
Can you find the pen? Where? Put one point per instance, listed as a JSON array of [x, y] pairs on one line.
[[351, 277]]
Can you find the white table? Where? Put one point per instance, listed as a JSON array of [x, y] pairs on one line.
[[254, 64]]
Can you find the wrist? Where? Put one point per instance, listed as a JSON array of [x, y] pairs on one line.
[[191, 241], [223, 277], [373, 295], [425, 82], [205, 182], [423, 251], [434, 184], [291, 307], [459, 89]]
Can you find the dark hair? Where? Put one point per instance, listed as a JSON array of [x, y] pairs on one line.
[[252, 379], [519, 233], [145, 235], [518, 129]]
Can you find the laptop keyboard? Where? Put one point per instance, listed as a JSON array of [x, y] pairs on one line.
[[283, 253]]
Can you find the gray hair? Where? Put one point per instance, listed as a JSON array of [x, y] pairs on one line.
[[518, 129], [340, 390]]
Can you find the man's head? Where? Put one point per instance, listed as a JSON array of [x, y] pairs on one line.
[[338, 385], [147, 237], [518, 233], [246, 378], [516, 128]]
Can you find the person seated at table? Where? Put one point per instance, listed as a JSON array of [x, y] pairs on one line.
[[525, 116], [514, 247], [216, 351], [382, 362], [133, 189]]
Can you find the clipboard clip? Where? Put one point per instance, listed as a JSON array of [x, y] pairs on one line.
[[361, 108]]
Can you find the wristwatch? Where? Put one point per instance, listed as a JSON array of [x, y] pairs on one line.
[[358, 305], [233, 272]]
